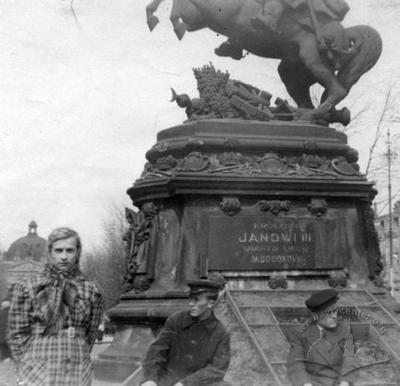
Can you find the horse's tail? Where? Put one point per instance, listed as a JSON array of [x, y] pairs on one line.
[[367, 45]]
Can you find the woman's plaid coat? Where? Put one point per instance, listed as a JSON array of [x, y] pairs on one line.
[[61, 358]]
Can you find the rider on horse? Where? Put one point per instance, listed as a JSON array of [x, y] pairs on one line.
[[307, 13], [272, 11]]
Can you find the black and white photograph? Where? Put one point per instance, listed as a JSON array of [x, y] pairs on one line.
[[200, 193]]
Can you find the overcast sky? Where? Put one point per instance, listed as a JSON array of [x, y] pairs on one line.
[[81, 104]]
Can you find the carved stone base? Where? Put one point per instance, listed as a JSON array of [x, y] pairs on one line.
[[278, 282], [138, 318], [123, 357], [223, 186], [244, 199], [338, 281]]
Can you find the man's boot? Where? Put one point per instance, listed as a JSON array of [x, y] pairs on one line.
[[229, 49]]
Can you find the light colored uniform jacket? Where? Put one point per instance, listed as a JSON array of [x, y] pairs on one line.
[[317, 355]]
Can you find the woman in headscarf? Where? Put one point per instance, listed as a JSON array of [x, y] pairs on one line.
[[54, 317]]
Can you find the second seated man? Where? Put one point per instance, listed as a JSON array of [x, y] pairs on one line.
[[317, 355]]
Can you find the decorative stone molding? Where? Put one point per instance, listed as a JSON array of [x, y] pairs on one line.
[[231, 142], [310, 145], [338, 281], [141, 284], [313, 161], [231, 158], [195, 162], [345, 168], [137, 236], [352, 155], [274, 206], [318, 207], [237, 163], [166, 163], [195, 141], [150, 172], [278, 282], [272, 164], [230, 205], [375, 261], [161, 147]]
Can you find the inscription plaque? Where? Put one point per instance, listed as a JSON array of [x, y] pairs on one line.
[[259, 242]]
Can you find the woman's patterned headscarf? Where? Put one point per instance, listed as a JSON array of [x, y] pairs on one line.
[[57, 290]]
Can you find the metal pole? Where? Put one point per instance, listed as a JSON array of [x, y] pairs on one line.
[[389, 157]]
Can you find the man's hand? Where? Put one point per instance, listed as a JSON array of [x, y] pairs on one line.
[[308, 384], [178, 384], [344, 383], [149, 383]]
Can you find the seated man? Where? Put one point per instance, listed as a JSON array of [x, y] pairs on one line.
[[317, 354], [193, 347]]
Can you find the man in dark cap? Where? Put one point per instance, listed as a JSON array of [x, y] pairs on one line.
[[317, 354], [193, 347]]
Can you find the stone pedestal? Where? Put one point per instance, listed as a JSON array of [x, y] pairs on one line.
[[267, 203]]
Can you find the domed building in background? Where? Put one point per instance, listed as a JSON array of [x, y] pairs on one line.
[[24, 258], [30, 246]]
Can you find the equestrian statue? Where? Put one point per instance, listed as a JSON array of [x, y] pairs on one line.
[[306, 35]]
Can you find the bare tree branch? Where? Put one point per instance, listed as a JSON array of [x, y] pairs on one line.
[[378, 131], [386, 204], [74, 14], [378, 168], [106, 263], [355, 118]]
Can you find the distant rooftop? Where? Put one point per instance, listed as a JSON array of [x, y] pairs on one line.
[[30, 246]]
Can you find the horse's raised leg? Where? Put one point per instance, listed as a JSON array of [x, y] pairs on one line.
[[321, 71], [175, 17], [152, 20], [297, 80], [179, 28]]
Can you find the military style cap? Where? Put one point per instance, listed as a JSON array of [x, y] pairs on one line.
[[322, 299], [201, 286]]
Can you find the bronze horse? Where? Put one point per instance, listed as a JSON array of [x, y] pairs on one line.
[[312, 44]]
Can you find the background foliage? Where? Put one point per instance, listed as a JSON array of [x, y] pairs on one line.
[[105, 264]]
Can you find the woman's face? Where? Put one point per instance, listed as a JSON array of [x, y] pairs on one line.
[[64, 253]]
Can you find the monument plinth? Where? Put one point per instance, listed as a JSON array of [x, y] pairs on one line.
[[242, 196], [263, 204]]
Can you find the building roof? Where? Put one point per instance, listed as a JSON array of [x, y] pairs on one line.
[[30, 246], [395, 212]]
